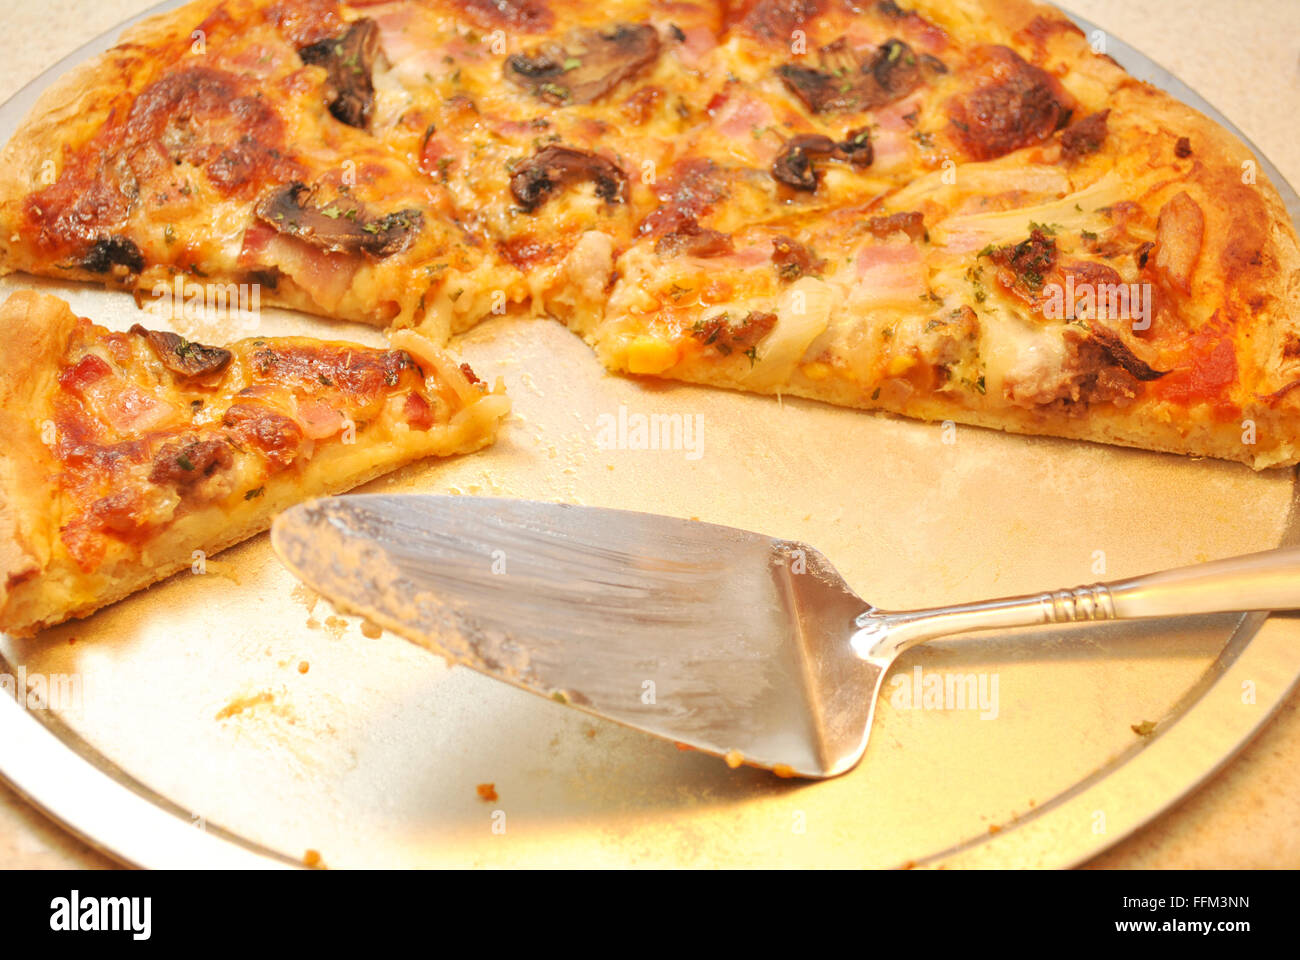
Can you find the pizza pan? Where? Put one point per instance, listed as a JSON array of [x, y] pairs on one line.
[[234, 702]]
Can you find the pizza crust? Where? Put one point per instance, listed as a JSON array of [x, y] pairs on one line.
[[36, 328]]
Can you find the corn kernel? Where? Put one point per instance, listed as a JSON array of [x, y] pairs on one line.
[[900, 363], [650, 355], [816, 370]]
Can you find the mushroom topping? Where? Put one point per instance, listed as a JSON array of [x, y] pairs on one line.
[[587, 65], [184, 357], [552, 168], [113, 251], [341, 226], [848, 81], [1121, 355], [793, 166], [350, 91]]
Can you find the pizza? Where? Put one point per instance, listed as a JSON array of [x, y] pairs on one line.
[[951, 210], [130, 455]]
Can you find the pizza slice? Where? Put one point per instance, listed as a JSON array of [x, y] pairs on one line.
[[952, 209], [127, 451], [1079, 256], [249, 143]]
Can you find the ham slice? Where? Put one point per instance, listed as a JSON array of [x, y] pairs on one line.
[[325, 277], [890, 272]]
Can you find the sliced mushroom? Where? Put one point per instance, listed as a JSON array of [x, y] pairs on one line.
[[348, 60], [113, 251], [793, 166], [553, 167], [184, 357], [1122, 355], [587, 65], [341, 226], [848, 82]]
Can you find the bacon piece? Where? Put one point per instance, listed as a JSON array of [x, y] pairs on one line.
[[123, 405], [78, 377], [793, 259], [693, 240], [1084, 137], [910, 222], [727, 336], [417, 411], [359, 376], [318, 419], [889, 272], [1023, 267], [1015, 105]]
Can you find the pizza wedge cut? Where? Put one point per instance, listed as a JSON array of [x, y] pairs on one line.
[[127, 451], [1074, 254]]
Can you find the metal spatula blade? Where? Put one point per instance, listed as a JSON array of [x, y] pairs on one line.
[[728, 641], [717, 638]]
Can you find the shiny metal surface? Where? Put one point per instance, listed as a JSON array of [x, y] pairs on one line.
[[1264, 581], [724, 640], [372, 757]]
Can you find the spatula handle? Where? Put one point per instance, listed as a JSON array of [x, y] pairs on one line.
[[1255, 581]]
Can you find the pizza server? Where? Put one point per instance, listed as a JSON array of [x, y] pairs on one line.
[[731, 642]]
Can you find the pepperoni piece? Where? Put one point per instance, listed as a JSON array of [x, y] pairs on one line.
[[275, 436], [183, 464], [527, 16], [1084, 137], [1015, 105]]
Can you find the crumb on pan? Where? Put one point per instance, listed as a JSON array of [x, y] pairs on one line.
[[240, 704], [487, 792]]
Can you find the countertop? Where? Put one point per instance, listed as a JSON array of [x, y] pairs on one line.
[[1243, 57]]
